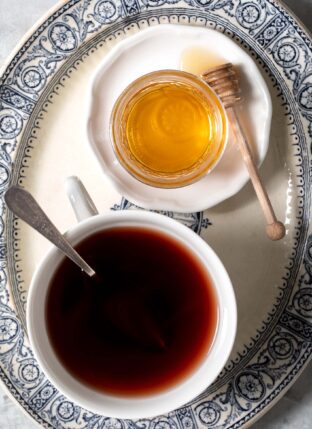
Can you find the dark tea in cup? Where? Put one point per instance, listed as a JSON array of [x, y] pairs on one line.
[[146, 322], [150, 333]]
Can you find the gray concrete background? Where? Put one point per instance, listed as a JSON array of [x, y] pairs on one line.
[[294, 410]]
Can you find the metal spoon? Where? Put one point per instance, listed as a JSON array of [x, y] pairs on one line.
[[142, 330], [22, 203]]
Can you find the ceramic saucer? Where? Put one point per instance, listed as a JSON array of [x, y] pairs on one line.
[[159, 48]]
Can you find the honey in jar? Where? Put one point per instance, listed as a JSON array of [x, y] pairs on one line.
[[168, 128]]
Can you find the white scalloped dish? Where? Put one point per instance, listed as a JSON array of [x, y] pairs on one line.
[[163, 48]]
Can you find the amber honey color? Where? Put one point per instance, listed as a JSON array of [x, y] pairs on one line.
[[169, 127], [197, 60]]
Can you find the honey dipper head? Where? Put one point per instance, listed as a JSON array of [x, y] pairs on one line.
[[224, 81]]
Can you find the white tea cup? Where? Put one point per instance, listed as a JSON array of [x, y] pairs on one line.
[[137, 406]]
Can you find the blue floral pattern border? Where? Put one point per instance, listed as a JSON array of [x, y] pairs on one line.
[[289, 345]]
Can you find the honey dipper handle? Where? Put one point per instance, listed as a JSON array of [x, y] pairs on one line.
[[275, 229]]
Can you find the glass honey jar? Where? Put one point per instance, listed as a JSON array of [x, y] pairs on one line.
[[168, 128]]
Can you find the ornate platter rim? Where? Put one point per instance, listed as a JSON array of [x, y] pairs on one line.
[[24, 405]]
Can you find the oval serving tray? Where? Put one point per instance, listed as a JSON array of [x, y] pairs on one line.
[[42, 142]]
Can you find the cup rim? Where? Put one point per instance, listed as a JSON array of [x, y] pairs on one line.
[[158, 403]]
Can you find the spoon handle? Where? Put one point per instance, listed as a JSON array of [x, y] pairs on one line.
[[25, 207]]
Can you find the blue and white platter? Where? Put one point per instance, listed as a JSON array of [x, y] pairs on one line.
[[43, 97]]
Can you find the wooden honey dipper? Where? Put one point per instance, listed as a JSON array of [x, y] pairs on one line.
[[223, 79]]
